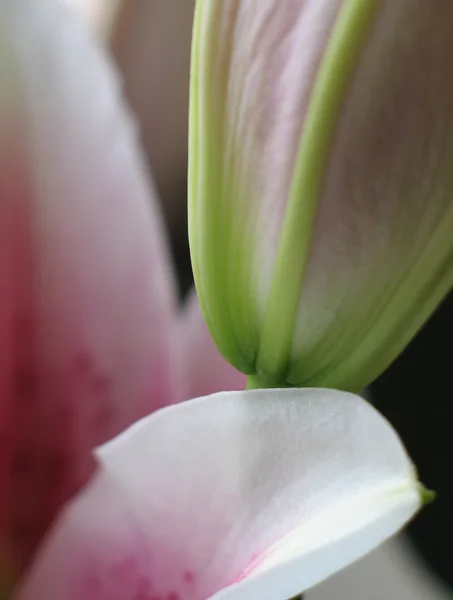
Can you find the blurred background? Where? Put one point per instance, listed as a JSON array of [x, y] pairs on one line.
[[150, 43]]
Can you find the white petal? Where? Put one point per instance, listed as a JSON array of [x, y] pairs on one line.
[[264, 493]]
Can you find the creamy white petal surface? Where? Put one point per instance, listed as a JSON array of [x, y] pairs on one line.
[[247, 494]]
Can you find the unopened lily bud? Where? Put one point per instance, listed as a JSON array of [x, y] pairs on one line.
[[321, 181]]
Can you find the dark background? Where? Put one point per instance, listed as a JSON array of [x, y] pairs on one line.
[[416, 395]]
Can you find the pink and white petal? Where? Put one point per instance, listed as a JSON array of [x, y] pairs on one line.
[[207, 370], [89, 312], [257, 494], [98, 552]]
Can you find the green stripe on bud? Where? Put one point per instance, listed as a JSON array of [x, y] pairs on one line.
[[348, 37], [320, 182]]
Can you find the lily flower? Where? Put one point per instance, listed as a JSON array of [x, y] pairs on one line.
[[320, 183], [257, 494]]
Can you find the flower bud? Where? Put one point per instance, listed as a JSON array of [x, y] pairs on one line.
[[320, 182]]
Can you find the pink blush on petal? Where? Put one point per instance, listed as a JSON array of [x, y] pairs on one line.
[[125, 578], [98, 550], [59, 412], [97, 554], [189, 576], [255, 561]]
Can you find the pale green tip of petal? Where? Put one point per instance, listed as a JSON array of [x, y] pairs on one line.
[[426, 496]]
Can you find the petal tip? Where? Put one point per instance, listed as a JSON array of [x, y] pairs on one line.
[[426, 496]]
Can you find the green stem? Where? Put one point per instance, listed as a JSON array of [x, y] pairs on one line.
[[255, 383]]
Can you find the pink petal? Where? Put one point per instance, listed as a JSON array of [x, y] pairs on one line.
[[100, 552], [207, 370], [260, 493], [87, 342]]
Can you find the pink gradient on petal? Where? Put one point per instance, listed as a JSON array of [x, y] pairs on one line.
[[88, 334], [207, 371], [108, 558], [98, 551], [255, 561], [215, 493]]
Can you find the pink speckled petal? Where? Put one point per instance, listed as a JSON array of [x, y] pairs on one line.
[[87, 338], [207, 370], [98, 552], [256, 495]]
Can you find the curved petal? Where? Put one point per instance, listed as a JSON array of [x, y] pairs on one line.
[[86, 315], [260, 494], [207, 370]]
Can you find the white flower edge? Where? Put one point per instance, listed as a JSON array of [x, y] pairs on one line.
[[256, 494]]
